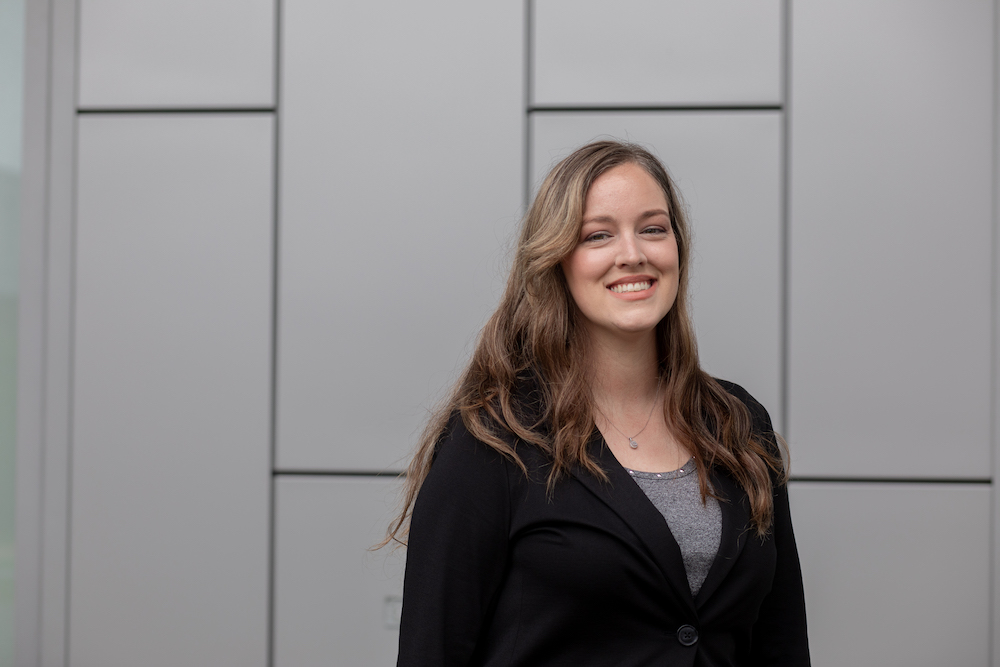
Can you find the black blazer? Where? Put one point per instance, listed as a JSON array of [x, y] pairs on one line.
[[500, 573]]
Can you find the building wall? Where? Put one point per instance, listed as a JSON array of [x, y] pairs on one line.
[[11, 103], [283, 224]]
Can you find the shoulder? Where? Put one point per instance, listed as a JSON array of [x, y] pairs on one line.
[[761, 419], [458, 451], [468, 481]]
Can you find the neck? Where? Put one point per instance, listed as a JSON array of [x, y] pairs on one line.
[[624, 369]]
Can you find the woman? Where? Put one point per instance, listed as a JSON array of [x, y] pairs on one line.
[[588, 495]]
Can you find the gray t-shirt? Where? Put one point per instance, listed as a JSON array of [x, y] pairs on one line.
[[697, 527]]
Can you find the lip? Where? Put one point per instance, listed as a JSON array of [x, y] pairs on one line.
[[632, 279], [633, 296]]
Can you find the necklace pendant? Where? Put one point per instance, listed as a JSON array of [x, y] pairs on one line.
[[633, 444]]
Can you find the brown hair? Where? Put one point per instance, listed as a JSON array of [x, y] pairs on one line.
[[535, 336]]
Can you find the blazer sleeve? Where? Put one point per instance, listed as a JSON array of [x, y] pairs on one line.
[[456, 553], [779, 636]]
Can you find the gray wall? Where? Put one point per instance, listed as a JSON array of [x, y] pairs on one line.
[[282, 226], [11, 103]]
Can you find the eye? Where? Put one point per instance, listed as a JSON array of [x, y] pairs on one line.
[[597, 236], [655, 229]]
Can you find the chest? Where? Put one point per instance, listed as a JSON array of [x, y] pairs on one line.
[[604, 544]]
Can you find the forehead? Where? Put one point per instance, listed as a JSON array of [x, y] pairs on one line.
[[624, 187]]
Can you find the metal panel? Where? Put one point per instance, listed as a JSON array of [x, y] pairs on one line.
[[30, 632], [995, 398], [183, 53], [335, 600], [656, 52], [890, 277], [171, 390], [57, 265], [401, 180], [895, 574], [728, 169]]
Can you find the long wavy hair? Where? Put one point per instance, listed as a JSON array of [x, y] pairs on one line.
[[535, 339]]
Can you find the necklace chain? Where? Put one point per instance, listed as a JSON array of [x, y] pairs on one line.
[[632, 440]]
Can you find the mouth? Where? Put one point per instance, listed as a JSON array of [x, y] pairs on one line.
[[639, 285]]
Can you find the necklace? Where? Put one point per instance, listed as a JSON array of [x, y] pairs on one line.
[[631, 440]]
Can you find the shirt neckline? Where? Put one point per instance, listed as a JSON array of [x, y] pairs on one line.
[[686, 469]]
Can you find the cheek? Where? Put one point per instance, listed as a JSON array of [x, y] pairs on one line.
[[582, 276], [671, 258], [578, 270]]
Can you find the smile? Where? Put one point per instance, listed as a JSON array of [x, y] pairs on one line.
[[631, 287]]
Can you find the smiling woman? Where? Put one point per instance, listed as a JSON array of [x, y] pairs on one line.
[[623, 274], [588, 495]]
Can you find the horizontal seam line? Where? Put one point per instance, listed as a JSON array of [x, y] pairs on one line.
[[337, 473], [894, 480], [686, 107], [177, 110]]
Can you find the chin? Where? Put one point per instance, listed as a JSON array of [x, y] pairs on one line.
[[633, 328]]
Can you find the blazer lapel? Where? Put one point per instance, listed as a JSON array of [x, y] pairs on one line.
[[628, 501], [735, 530]]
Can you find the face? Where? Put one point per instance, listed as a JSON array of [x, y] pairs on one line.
[[624, 271]]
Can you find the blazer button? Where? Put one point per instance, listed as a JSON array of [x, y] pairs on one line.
[[687, 635]]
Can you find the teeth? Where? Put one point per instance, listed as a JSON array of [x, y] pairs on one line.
[[631, 287]]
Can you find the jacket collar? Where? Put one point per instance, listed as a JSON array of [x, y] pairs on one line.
[[623, 496]]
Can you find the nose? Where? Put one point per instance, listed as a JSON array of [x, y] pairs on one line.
[[630, 251]]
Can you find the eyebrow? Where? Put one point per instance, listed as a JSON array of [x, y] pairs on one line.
[[652, 213]]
